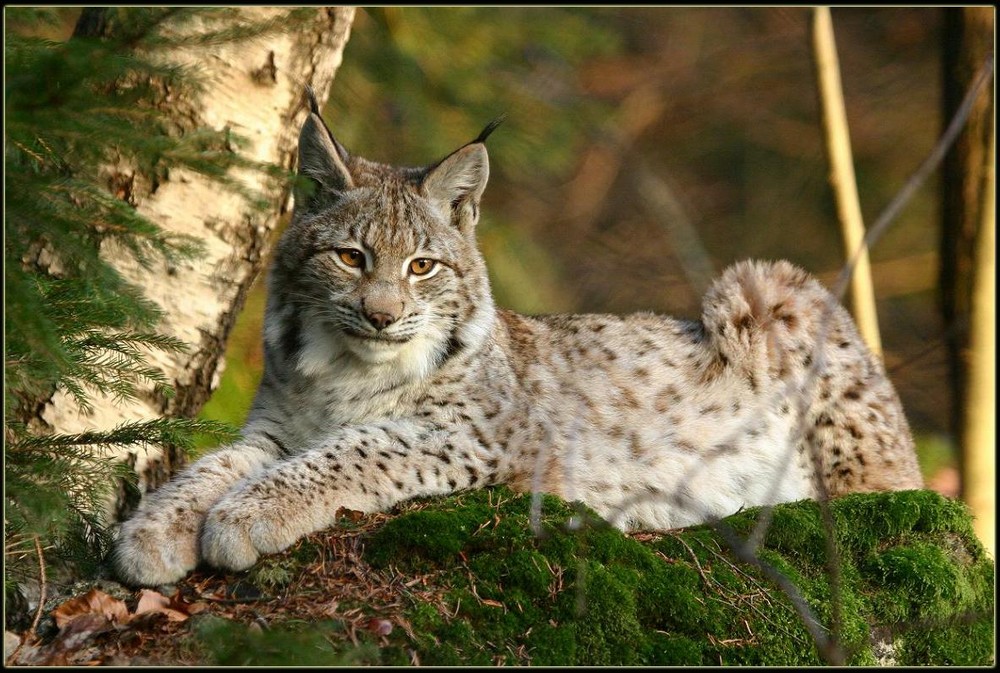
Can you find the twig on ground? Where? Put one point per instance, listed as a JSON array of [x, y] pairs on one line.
[[30, 634]]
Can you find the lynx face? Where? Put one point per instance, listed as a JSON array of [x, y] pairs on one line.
[[385, 283], [380, 264]]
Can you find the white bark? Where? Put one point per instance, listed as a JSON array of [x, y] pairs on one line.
[[255, 88]]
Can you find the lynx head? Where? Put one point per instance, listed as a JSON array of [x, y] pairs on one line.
[[379, 267]]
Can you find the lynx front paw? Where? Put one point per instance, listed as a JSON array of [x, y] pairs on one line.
[[157, 548], [238, 530]]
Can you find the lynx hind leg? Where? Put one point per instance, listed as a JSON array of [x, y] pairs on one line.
[[763, 319], [856, 428], [771, 321], [857, 434]]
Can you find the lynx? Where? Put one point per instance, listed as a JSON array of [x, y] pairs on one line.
[[390, 374]]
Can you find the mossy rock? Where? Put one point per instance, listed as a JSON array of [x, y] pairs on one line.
[[483, 578], [913, 587]]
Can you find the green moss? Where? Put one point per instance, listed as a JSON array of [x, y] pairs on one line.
[[868, 521], [271, 574], [552, 645], [908, 564], [675, 650], [951, 644], [608, 631], [420, 539], [797, 531], [668, 597], [919, 580], [229, 643]]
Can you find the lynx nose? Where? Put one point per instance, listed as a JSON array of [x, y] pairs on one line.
[[382, 304], [380, 320]]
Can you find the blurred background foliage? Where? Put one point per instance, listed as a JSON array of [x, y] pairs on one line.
[[647, 148]]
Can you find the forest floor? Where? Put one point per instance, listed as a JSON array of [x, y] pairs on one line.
[[101, 622], [269, 615]]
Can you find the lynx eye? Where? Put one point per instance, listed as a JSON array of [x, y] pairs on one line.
[[422, 266], [351, 257]]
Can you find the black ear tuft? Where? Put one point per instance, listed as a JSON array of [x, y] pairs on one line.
[[490, 128], [313, 105], [314, 109], [322, 162]]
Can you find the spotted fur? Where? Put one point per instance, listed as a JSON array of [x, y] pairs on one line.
[[381, 384]]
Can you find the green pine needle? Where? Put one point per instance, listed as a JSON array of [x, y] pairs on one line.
[[85, 121]]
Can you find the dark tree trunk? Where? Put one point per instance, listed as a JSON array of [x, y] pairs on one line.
[[967, 41]]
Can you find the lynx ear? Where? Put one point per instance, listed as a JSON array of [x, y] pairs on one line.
[[457, 182], [323, 172]]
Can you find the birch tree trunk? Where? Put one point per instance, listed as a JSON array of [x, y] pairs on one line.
[[255, 89]]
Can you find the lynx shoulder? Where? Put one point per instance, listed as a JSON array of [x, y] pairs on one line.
[[391, 374]]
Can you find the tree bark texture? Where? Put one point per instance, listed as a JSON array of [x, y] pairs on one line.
[[255, 88]]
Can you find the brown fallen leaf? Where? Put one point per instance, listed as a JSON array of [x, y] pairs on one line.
[[77, 631], [176, 610], [94, 602], [352, 514], [153, 602], [82, 618]]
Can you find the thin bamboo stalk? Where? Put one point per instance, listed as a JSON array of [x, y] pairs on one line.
[[842, 179]]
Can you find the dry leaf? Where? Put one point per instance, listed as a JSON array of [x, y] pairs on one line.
[[176, 610], [352, 514], [195, 608], [94, 602], [492, 603], [76, 633], [151, 601]]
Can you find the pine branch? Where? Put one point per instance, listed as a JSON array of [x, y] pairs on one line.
[[81, 116], [175, 431]]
